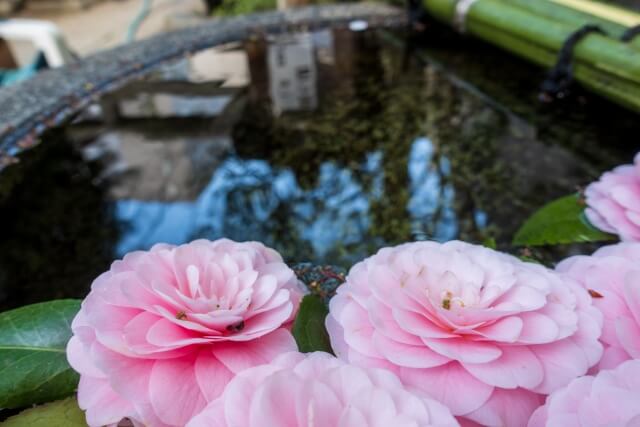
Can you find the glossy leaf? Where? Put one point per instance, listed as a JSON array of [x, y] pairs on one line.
[[308, 328], [33, 363], [63, 413], [561, 221]]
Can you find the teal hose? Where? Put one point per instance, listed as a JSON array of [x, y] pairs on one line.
[[138, 20]]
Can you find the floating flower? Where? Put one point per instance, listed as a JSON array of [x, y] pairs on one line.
[[614, 201], [169, 328], [612, 277], [482, 332], [319, 390], [609, 399]]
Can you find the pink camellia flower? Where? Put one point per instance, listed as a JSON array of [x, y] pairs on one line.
[[102, 405], [169, 328], [319, 390], [614, 201], [612, 276], [610, 399], [484, 333]]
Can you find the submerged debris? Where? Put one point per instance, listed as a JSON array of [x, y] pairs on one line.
[[322, 280]]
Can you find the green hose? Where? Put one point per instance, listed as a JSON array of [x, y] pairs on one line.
[[138, 20]]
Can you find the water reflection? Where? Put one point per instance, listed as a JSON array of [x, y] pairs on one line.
[[58, 228], [249, 199], [432, 201], [325, 159], [246, 198]]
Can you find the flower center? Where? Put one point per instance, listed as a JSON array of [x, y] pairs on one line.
[[236, 327], [447, 300]]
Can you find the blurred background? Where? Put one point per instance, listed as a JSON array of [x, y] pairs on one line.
[[91, 25]]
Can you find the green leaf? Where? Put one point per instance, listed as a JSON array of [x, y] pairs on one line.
[[33, 363], [308, 329], [490, 243], [64, 413], [561, 221], [530, 259]]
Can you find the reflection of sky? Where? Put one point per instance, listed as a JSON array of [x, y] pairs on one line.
[[431, 202], [245, 198], [251, 200]]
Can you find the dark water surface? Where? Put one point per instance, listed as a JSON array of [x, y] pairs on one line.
[[325, 146]]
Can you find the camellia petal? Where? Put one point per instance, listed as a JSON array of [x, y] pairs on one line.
[[102, 404], [517, 367], [495, 333], [319, 390], [174, 392], [451, 385], [612, 276], [164, 331], [609, 398], [614, 201]]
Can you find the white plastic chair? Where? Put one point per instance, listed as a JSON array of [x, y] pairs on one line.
[[45, 37]]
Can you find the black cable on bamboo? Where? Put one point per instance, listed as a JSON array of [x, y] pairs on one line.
[[560, 77], [417, 15], [630, 34]]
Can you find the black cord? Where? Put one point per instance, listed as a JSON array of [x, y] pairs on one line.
[[630, 34], [417, 15], [560, 77]]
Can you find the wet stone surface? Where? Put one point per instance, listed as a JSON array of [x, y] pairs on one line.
[[324, 145]]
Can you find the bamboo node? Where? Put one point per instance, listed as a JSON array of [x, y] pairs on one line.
[[460, 18]]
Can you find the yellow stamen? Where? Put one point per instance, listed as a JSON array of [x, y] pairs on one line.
[[446, 302]]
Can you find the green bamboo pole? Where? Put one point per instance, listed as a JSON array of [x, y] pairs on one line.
[[602, 64], [577, 18], [562, 13], [624, 92], [612, 67], [610, 12], [607, 53]]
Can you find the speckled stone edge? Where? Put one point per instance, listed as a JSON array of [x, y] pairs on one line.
[[321, 280], [29, 108]]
